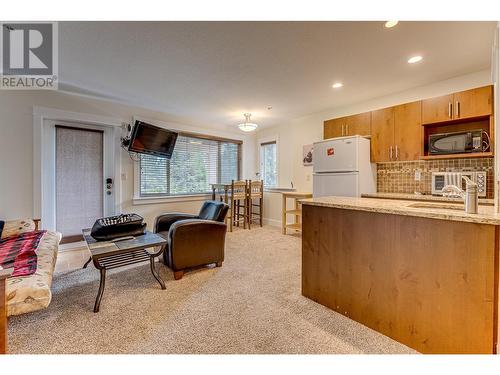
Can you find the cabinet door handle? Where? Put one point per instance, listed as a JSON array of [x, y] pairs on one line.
[[450, 111], [397, 153], [342, 130], [390, 152], [457, 109], [347, 129]]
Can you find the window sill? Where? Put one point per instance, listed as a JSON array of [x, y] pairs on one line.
[[172, 199]]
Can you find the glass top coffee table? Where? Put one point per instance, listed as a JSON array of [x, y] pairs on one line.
[[107, 255]]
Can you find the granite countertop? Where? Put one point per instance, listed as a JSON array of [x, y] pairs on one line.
[[424, 197], [431, 210]]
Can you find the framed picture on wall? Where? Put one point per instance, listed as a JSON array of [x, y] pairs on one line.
[[307, 154]]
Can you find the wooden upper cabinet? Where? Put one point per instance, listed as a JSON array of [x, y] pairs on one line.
[[358, 124], [333, 128], [408, 131], [382, 135], [397, 133], [473, 103], [460, 105], [437, 109]]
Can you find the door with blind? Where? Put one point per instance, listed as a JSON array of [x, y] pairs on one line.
[[79, 193]]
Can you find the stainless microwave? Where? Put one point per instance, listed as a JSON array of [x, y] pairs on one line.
[[456, 143]]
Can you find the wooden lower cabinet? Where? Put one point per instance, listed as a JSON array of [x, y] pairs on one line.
[[427, 283]]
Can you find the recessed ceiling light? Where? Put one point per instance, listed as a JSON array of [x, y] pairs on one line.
[[337, 85], [414, 59], [390, 24]]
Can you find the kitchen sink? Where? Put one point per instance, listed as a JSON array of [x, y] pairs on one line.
[[441, 206]]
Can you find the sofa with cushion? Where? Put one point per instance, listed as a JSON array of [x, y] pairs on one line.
[[34, 265]]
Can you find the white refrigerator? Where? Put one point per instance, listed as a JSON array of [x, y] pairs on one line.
[[341, 167]]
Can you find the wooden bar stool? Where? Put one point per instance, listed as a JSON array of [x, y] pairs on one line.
[[237, 196], [255, 200]]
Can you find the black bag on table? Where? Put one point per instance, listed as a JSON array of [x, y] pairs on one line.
[[109, 228]]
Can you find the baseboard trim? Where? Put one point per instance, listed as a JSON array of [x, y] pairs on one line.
[[272, 222]]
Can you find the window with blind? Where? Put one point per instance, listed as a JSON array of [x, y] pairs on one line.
[[196, 163], [268, 163]]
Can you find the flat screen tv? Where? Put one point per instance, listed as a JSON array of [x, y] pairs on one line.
[[149, 139]]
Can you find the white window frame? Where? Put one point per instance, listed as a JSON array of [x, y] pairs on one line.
[[138, 200], [269, 139]]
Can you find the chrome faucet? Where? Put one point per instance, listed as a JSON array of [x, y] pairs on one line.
[[470, 197]]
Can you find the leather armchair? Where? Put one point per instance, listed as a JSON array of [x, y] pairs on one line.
[[193, 240]]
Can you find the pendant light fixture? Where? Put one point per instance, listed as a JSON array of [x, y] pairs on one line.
[[247, 126]]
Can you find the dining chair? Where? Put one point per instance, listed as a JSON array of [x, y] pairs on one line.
[[255, 199], [237, 196]]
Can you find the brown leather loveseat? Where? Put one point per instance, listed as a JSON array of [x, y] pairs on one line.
[[193, 240]]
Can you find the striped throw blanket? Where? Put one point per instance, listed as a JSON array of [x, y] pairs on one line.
[[19, 251]]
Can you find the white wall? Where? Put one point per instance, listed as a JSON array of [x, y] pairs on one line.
[[308, 129], [16, 149]]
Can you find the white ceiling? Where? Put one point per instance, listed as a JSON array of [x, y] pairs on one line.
[[213, 72]]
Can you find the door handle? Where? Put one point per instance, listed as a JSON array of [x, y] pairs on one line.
[[390, 152], [457, 109], [347, 129], [342, 130], [450, 109]]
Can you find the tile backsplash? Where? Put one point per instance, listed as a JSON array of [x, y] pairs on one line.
[[399, 176]]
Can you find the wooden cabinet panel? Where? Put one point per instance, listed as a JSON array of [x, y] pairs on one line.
[[473, 103], [461, 105], [333, 128], [358, 124], [382, 134], [408, 131], [437, 109], [423, 282], [400, 127]]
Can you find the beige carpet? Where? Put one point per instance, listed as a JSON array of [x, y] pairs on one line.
[[250, 305]]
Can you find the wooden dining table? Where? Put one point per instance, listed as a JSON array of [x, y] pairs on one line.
[[221, 190]]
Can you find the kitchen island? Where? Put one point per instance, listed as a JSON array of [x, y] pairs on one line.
[[422, 273]]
